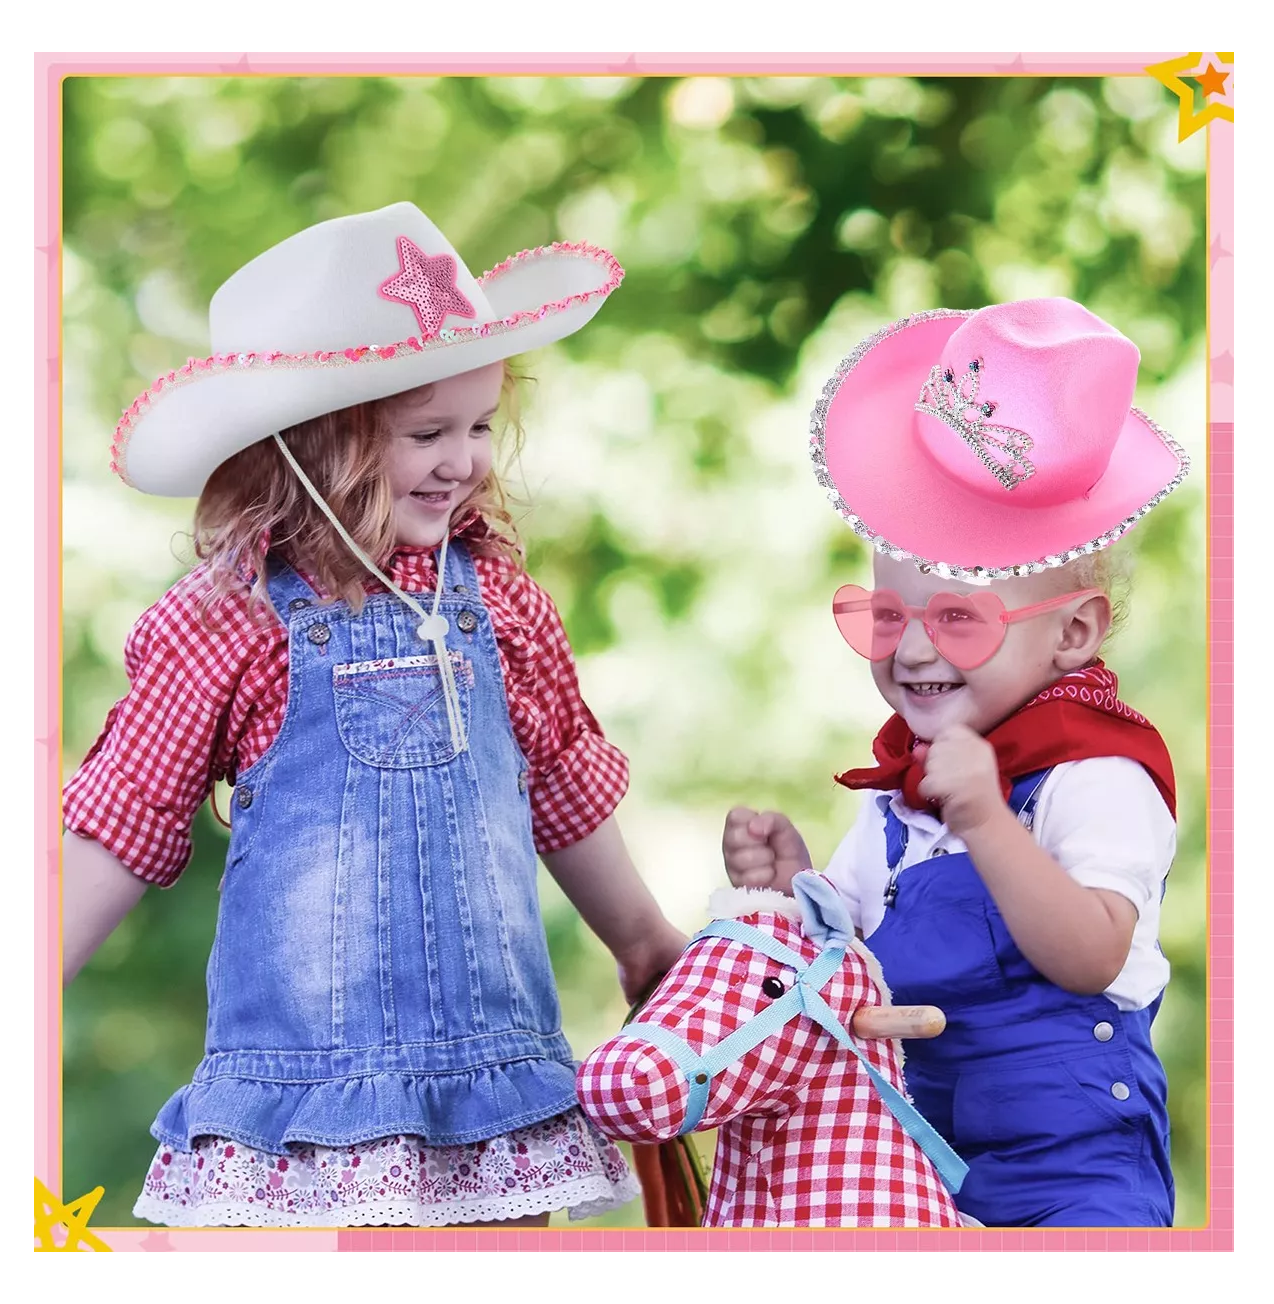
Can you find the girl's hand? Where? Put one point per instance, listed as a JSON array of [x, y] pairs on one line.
[[643, 965], [598, 876], [962, 776], [762, 850]]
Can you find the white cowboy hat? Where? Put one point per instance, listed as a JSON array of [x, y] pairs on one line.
[[349, 310]]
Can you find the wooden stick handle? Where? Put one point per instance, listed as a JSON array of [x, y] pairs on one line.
[[908, 1021]]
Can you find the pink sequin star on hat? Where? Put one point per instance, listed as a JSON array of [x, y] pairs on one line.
[[428, 283]]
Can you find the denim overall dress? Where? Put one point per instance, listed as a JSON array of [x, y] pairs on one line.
[[380, 964], [1057, 1102]]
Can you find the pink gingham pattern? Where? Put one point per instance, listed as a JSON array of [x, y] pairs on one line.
[[804, 1139], [204, 703]]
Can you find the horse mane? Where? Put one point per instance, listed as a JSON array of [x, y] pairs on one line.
[[735, 902]]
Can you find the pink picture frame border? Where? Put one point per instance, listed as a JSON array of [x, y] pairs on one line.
[[1216, 1235]]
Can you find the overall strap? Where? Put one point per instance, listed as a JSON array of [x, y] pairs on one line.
[[460, 569], [285, 585], [1025, 793], [895, 832], [1022, 798]]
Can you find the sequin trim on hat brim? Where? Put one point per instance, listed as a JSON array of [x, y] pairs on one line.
[[965, 574], [197, 368]]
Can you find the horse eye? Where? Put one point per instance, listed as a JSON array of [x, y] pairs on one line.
[[773, 988]]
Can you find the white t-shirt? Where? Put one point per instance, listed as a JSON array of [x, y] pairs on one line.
[[1102, 820]]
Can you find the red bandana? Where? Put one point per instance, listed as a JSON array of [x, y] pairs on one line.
[[1078, 717]]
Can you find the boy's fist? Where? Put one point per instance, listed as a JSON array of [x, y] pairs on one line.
[[963, 777], [762, 850]]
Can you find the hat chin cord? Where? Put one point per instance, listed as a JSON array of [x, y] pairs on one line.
[[433, 627]]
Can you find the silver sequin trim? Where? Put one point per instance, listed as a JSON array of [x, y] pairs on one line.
[[965, 574]]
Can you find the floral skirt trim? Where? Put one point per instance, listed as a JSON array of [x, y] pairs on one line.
[[561, 1163]]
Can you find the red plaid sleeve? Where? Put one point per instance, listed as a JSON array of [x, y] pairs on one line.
[[167, 741], [577, 778]]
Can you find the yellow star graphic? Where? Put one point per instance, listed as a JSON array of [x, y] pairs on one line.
[[1170, 74], [50, 1212]]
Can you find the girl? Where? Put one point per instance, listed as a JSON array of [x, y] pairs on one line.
[[1012, 868], [384, 1041]]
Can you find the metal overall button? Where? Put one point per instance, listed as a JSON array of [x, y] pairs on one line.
[[243, 798], [1103, 1031], [460, 588], [521, 780], [466, 622], [318, 634], [298, 604]]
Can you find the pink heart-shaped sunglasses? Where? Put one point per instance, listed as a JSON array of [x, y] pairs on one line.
[[965, 628]]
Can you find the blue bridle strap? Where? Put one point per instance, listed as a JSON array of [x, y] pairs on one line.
[[951, 1168], [802, 998]]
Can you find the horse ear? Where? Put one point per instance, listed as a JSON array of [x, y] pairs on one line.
[[825, 918]]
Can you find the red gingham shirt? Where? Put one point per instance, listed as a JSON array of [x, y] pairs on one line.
[[205, 703]]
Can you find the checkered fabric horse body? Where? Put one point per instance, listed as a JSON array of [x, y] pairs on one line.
[[805, 1139]]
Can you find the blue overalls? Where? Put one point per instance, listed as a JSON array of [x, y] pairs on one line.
[[1057, 1102], [380, 964]]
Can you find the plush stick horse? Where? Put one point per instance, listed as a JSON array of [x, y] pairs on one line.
[[750, 1033]]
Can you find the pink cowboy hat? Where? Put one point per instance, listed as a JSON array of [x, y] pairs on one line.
[[992, 443]]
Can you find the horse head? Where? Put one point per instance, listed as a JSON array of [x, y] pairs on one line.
[[749, 1033]]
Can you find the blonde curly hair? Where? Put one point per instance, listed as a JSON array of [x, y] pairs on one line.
[[1111, 570]]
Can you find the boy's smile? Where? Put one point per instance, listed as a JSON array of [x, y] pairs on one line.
[[926, 694], [927, 691]]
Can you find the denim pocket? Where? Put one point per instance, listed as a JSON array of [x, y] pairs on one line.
[[393, 713]]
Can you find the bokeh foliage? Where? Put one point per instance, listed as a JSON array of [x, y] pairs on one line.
[[766, 225]]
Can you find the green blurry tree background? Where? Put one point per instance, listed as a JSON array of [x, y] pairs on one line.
[[766, 225]]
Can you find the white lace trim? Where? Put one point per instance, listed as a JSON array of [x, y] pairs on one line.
[[561, 1162], [586, 1197]]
